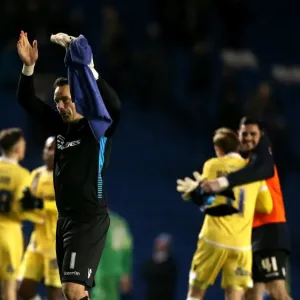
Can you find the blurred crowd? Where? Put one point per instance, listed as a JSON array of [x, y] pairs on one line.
[[162, 57], [141, 54]]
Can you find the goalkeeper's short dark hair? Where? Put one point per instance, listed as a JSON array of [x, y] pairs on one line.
[[248, 120], [61, 81], [227, 140], [9, 138]]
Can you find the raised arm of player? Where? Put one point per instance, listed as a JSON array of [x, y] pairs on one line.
[[38, 109], [260, 166], [111, 102], [83, 86]]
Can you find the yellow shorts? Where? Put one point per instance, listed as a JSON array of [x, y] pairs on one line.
[[11, 251], [36, 266], [210, 259]]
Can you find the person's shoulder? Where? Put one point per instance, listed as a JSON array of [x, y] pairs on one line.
[[211, 161], [263, 145], [20, 174], [22, 170], [237, 160], [38, 170]]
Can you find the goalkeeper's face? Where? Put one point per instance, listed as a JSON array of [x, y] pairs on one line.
[[65, 105], [249, 136]]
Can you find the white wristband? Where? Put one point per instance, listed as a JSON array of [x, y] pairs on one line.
[[223, 182], [28, 70]]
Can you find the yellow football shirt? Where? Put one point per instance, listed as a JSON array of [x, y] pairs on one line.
[[43, 237], [234, 231], [13, 178]]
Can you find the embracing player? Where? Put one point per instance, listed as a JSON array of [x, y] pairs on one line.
[[225, 241], [270, 238], [40, 261]]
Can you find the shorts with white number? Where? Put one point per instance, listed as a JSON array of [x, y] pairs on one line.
[[79, 246], [269, 265]]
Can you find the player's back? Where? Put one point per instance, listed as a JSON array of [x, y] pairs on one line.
[[13, 178], [234, 230]]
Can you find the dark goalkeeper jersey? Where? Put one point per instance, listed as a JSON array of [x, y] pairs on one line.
[[80, 159]]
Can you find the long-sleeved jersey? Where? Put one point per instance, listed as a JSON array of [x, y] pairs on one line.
[[260, 166], [80, 156]]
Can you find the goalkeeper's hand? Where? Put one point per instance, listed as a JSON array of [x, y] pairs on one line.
[[62, 39], [188, 185], [29, 202]]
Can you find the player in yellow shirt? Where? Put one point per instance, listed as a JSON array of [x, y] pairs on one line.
[[12, 179], [40, 258], [225, 241]]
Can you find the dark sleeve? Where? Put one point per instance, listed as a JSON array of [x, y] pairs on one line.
[[197, 197], [35, 107], [260, 166], [111, 102], [200, 198]]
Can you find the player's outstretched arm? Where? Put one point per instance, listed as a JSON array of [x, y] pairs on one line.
[[39, 110], [111, 102], [260, 167]]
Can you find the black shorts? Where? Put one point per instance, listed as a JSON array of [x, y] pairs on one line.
[[79, 247], [269, 265]]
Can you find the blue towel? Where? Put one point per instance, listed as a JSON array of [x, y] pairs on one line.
[[84, 89]]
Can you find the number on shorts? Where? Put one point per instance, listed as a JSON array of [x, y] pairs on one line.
[[72, 260], [269, 264], [5, 200]]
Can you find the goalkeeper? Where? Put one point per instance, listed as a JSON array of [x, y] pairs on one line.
[[113, 275]]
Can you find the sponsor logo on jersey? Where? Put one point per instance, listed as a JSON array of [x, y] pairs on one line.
[[61, 144]]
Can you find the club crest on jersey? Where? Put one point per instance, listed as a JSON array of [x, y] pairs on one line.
[[61, 145]]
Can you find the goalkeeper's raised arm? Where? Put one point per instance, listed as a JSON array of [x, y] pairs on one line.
[[38, 109]]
